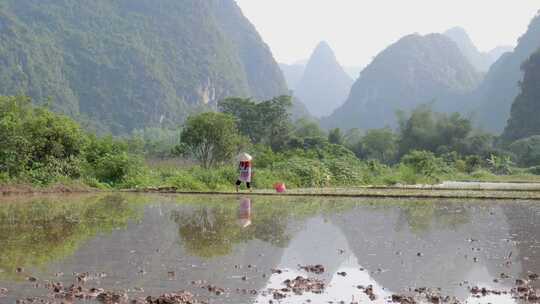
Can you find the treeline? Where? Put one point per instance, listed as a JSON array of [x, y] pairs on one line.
[[40, 148]]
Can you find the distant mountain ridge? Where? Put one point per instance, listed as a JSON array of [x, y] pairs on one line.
[[481, 61], [324, 85], [498, 91], [524, 120], [127, 64], [413, 71]]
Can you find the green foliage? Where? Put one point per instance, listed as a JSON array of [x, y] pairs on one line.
[[378, 144], [425, 163], [266, 122], [336, 137], [305, 127], [212, 138], [527, 151], [155, 142], [435, 132], [473, 163], [534, 170], [501, 165], [36, 143]]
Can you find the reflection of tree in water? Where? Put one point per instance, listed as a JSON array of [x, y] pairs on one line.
[[210, 231], [421, 216], [41, 231], [213, 231]]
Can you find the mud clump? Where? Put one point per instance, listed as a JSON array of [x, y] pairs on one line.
[[482, 292], [181, 297], [214, 289], [110, 297], [403, 299], [298, 286], [316, 269], [368, 291]]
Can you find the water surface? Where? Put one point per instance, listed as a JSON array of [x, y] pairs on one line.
[[150, 245]]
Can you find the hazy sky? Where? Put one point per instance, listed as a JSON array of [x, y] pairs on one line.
[[358, 30]]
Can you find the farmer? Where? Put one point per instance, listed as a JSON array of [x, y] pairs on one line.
[[244, 168]]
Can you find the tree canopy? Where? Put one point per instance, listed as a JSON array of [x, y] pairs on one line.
[[267, 122], [211, 138]]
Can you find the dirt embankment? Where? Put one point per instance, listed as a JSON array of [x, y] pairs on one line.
[[24, 189]]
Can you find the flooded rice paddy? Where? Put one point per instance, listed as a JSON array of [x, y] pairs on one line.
[[135, 248]]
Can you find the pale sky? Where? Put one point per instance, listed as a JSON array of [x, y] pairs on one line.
[[358, 30]]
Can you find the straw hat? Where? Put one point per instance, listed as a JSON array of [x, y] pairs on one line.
[[244, 157]]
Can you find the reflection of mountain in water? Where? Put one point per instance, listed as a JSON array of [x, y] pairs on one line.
[[384, 242], [322, 242], [524, 222]]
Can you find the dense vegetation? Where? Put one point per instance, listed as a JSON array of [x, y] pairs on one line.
[[129, 64], [42, 148]]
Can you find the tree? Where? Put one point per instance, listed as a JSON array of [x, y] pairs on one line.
[[211, 138], [336, 137], [379, 144], [267, 122], [34, 138], [527, 150], [305, 128], [430, 131]]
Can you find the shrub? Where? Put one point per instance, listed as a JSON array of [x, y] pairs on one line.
[[534, 170], [114, 168], [304, 172], [500, 165], [527, 151], [425, 163], [186, 181], [472, 163]]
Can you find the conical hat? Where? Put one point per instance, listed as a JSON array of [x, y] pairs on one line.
[[244, 157]]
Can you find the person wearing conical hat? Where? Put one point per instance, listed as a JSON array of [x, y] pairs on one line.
[[244, 168]]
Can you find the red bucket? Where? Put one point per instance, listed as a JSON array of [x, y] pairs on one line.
[[280, 187]]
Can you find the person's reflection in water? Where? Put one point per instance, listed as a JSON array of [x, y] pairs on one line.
[[244, 214]]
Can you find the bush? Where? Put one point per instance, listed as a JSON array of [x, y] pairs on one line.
[[534, 170], [114, 168], [37, 144], [425, 163], [500, 165], [304, 172], [527, 151], [472, 163]]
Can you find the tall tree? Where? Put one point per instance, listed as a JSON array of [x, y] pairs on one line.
[[211, 138], [267, 122]]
